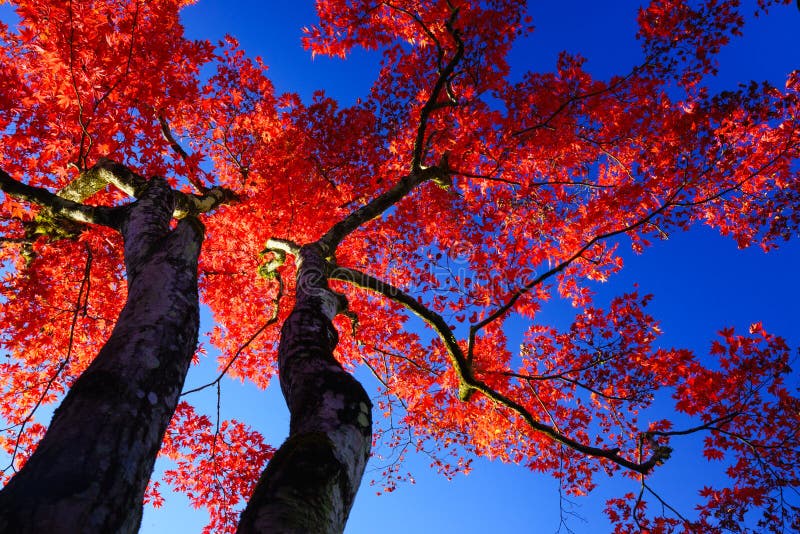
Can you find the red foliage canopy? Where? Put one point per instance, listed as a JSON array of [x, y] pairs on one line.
[[523, 190]]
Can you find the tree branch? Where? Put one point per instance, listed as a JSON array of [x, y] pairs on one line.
[[272, 320], [518, 293], [68, 202], [433, 100], [711, 425], [62, 207], [81, 305], [178, 149], [106, 171], [434, 320], [377, 206], [102, 173], [583, 96], [562, 378], [468, 383]]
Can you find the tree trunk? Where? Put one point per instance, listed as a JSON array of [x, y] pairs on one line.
[[309, 485], [90, 470]]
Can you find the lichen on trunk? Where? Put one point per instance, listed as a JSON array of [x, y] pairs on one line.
[[311, 482]]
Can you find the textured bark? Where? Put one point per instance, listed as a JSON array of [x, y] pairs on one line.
[[90, 471], [309, 485]]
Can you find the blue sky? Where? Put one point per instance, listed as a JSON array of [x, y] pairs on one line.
[[738, 287]]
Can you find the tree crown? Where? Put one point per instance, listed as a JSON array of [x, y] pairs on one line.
[[522, 189]]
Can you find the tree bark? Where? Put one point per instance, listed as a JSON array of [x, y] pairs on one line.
[[90, 470], [310, 483]]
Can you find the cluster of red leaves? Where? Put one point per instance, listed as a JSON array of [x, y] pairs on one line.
[[62, 310], [753, 416], [216, 465]]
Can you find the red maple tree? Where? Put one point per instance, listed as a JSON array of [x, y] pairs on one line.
[[533, 185]]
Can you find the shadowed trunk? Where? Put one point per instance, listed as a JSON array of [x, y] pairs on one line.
[[90, 470], [311, 482]]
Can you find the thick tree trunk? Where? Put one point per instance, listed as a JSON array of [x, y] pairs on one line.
[[309, 485], [90, 471]]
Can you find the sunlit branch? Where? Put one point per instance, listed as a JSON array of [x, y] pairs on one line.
[[468, 383], [105, 172], [58, 206], [88, 183], [132, 184], [68, 202], [661, 232]]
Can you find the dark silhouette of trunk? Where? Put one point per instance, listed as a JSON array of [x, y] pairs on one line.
[[309, 485], [90, 470]]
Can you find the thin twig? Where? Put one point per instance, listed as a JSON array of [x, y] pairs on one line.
[[81, 303], [178, 149], [272, 320]]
